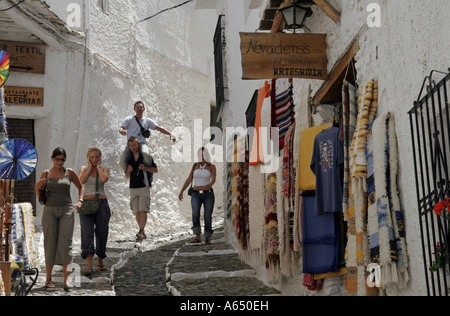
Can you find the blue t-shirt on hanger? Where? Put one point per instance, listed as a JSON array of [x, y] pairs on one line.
[[327, 164]]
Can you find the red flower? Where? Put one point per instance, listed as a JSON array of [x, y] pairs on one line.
[[439, 207]]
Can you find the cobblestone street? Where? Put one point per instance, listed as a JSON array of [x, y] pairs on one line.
[[178, 268]]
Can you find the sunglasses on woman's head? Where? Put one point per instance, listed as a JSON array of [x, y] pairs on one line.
[[60, 159]]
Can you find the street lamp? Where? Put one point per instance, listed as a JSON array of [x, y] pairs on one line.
[[295, 15]]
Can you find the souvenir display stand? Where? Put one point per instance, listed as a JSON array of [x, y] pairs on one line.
[[18, 159], [5, 233]]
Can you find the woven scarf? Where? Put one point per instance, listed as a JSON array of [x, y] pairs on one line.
[[349, 114], [271, 237], [367, 109], [357, 252], [385, 216], [283, 115], [240, 208], [288, 181]]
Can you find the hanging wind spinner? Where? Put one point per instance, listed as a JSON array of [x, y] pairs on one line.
[[18, 159], [4, 67]]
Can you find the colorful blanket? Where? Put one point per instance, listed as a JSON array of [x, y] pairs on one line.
[[283, 115]]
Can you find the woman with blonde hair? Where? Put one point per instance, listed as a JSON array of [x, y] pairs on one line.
[[95, 224]]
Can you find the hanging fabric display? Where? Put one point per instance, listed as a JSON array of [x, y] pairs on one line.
[[385, 216], [256, 153], [288, 181], [357, 252], [22, 234], [271, 237], [286, 208], [349, 114], [256, 208], [240, 191], [282, 107], [257, 178]]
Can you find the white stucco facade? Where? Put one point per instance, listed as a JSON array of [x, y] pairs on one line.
[[167, 62]]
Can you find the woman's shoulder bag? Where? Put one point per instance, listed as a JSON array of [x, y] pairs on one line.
[[43, 193], [91, 207]]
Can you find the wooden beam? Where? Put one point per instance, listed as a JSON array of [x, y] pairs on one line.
[[336, 76], [326, 7]]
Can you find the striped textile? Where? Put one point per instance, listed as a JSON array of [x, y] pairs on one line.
[[283, 115], [271, 235], [288, 181], [357, 252], [385, 216], [349, 114]]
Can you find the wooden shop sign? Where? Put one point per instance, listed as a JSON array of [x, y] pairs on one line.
[[24, 96], [281, 55], [25, 57]]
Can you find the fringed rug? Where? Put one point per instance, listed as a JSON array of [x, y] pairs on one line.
[[357, 252], [385, 216]]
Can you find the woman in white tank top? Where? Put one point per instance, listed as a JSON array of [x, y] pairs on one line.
[[203, 176]]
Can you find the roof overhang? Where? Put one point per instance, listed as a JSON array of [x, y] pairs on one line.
[[33, 21]]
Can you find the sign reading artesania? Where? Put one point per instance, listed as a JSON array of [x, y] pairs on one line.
[[281, 55]]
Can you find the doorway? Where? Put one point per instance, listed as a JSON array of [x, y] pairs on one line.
[[24, 189]]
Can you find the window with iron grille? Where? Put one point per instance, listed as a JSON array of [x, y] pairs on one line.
[[218, 63], [430, 134]]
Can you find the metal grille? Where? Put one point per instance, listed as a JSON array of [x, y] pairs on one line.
[[430, 133]]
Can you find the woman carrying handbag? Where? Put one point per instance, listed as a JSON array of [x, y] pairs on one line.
[[95, 225], [58, 216]]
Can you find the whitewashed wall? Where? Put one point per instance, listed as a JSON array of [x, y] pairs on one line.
[[167, 62]]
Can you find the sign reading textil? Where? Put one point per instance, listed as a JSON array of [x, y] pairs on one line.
[[281, 55], [25, 57]]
